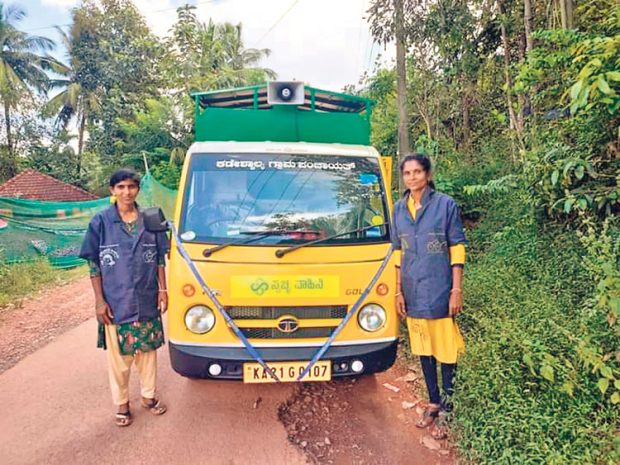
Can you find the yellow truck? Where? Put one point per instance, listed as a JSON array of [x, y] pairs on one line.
[[281, 266]]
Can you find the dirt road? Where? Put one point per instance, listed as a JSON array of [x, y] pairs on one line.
[[57, 408]]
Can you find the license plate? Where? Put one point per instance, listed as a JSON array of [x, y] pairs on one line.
[[287, 372]]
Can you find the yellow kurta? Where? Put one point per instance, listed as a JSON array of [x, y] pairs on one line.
[[441, 337]]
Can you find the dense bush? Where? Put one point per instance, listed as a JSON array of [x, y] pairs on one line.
[[534, 384], [572, 163]]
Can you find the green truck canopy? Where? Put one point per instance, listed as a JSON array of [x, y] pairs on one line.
[[245, 115]]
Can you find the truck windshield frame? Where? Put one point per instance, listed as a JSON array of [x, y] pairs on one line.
[[309, 196]]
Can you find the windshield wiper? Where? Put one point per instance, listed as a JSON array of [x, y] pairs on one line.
[[282, 252], [255, 235]]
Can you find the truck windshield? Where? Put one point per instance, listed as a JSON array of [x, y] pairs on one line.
[[307, 197]]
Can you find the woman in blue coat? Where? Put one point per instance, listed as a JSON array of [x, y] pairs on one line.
[[127, 269], [429, 233]]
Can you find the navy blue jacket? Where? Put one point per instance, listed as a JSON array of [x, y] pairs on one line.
[[425, 264], [128, 264]]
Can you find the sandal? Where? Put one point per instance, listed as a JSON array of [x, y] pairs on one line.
[[155, 406], [431, 412], [123, 419], [438, 432]]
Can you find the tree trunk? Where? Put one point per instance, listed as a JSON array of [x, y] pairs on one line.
[[566, 13], [514, 124], [11, 163], [569, 13], [401, 72], [527, 22], [466, 125], [526, 109], [427, 121], [465, 112], [522, 98], [80, 144]]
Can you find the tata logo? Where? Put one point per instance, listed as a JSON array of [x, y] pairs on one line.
[[288, 325]]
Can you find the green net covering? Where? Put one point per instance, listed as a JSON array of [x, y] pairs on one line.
[[154, 194], [31, 228]]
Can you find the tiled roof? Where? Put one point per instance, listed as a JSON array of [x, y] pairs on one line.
[[33, 185]]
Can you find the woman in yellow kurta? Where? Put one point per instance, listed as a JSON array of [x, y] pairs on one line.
[[429, 233]]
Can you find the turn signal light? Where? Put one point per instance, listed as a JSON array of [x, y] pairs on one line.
[[189, 290], [382, 289]]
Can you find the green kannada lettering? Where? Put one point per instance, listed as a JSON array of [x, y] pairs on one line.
[[309, 283]]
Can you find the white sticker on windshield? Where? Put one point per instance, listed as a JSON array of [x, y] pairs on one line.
[[312, 165], [188, 236], [286, 165], [251, 164]]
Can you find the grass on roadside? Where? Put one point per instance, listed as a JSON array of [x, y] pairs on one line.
[[20, 280]]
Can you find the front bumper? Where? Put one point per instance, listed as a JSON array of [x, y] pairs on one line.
[[194, 361]]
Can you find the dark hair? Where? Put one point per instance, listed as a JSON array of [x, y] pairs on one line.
[[424, 162], [123, 175]]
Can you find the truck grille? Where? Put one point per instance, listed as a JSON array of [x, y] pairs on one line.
[[273, 313], [275, 333]]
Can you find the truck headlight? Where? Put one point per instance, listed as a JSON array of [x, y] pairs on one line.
[[371, 317], [199, 319]]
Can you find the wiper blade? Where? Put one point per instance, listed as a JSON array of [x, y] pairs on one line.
[[254, 236], [282, 252]]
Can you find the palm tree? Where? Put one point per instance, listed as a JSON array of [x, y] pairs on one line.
[[241, 62], [223, 60], [22, 69], [210, 56], [74, 100]]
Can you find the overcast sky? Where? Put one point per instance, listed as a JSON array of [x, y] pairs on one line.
[[325, 43]]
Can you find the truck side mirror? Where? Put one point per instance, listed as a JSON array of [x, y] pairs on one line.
[[154, 220]]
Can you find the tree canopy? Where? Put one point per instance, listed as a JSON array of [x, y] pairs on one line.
[[117, 80]]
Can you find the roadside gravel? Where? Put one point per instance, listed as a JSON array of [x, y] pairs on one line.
[[29, 324]]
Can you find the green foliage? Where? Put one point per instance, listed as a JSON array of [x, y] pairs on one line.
[[381, 88], [454, 173], [566, 182], [158, 133], [208, 56], [168, 174], [23, 61], [573, 164], [58, 160], [117, 58], [539, 355], [540, 376], [598, 17], [598, 82], [602, 243], [501, 185]]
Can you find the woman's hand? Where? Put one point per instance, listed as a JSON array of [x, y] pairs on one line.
[[162, 301], [103, 312], [401, 309], [456, 302]]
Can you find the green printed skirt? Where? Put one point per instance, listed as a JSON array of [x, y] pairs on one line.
[[137, 336]]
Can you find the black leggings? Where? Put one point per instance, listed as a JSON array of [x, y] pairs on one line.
[[429, 368]]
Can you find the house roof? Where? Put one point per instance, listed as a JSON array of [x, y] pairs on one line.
[[33, 185]]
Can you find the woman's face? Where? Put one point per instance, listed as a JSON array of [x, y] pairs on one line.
[[125, 192], [414, 176]]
